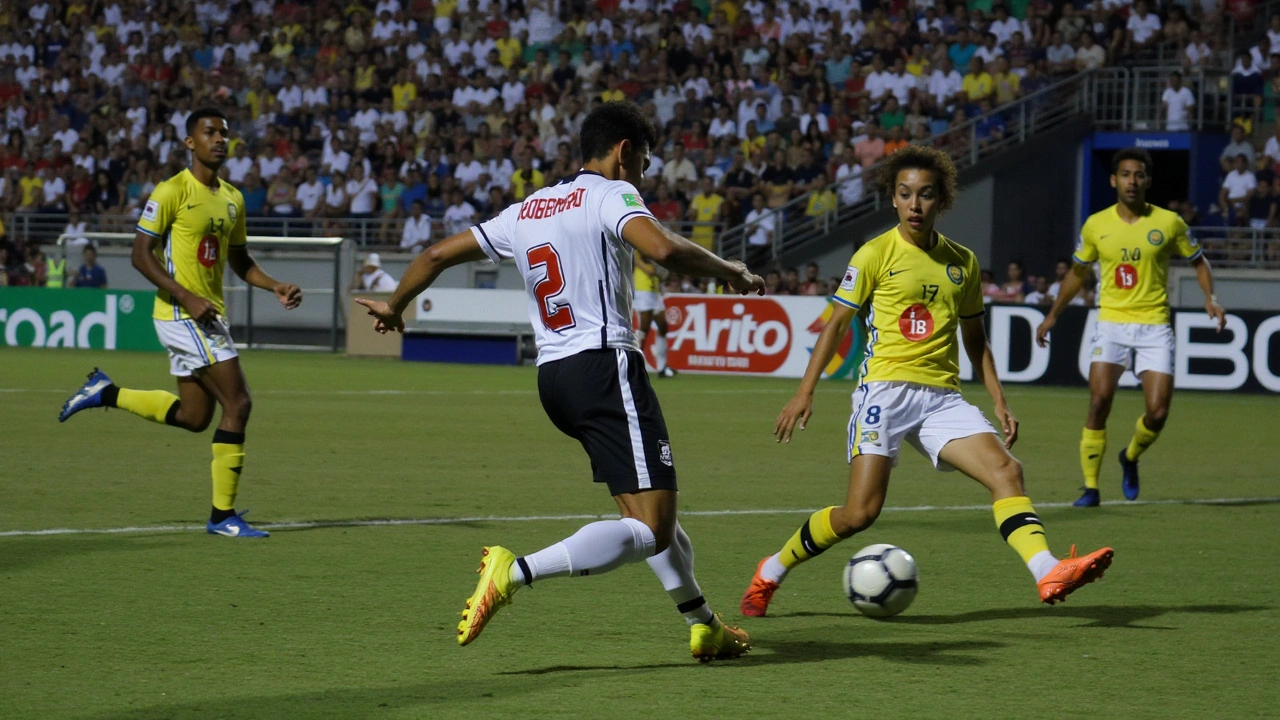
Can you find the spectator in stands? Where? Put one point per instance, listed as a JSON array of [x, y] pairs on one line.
[[1142, 29], [1197, 51], [1016, 287], [978, 83], [1177, 101], [370, 277], [362, 193], [1090, 55], [1007, 84], [389, 192], [1246, 89], [460, 214], [760, 227], [1237, 190], [310, 194], [416, 234], [1060, 54], [1239, 145], [990, 127], [1271, 150], [706, 208], [1262, 206], [990, 290], [90, 274]]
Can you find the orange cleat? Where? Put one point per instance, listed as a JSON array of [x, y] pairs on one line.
[[755, 601], [1072, 572]]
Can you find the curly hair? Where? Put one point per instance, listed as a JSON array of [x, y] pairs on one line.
[[921, 157], [1138, 154]]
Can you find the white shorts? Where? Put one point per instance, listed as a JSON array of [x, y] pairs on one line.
[[646, 301], [1137, 346], [884, 413], [194, 345]]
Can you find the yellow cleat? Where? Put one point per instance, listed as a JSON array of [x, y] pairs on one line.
[[492, 592], [717, 641]]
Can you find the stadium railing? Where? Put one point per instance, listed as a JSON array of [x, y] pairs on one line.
[[235, 288], [1240, 247]]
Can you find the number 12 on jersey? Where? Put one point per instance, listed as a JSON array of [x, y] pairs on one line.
[[555, 317]]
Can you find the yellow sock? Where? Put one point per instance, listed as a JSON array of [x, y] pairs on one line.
[[1093, 445], [228, 459], [1142, 439], [814, 536], [1020, 526], [154, 405]]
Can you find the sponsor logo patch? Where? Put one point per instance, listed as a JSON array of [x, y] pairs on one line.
[[632, 200], [916, 323], [149, 212], [664, 453], [850, 278]]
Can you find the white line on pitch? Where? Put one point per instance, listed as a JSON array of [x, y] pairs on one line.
[[546, 518]]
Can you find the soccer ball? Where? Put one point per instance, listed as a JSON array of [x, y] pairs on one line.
[[881, 580]]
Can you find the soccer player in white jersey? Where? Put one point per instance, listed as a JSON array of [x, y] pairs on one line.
[[574, 243]]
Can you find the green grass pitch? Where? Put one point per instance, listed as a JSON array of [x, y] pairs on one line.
[[358, 621]]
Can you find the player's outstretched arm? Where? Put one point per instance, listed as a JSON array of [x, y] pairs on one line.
[[243, 264], [974, 335], [146, 262], [1204, 276], [686, 257], [1071, 285], [425, 268], [799, 408]]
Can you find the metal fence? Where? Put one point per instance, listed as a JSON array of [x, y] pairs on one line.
[[1240, 247], [1131, 98]]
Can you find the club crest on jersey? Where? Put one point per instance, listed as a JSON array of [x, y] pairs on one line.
[[632, 200], [664, 453], [231, 212], [955, 274], [1155, 237], [850, 278]]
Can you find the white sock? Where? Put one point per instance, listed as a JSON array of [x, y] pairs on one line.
[[1041, 563], [674, 567], [773, 569], [596, 548], [660, 351]]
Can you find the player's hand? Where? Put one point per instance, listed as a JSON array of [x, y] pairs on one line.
[[746, 281], [1042, 332], [385, 319], [1217, 313], [797, 410], [200, 309], [289, 295], [1008, 425]]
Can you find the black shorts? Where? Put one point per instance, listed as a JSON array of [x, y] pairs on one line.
[[603, 399]]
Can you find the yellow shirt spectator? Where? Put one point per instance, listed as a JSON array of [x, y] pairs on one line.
[[522, 185], [1008, 87], [750, 147], [977, 86], [282, 50], [509, 50], [364, 78], [612, 95], [820, 203], [705, 209], [446, 8], [403, 94], [32, 188], [258, 101]]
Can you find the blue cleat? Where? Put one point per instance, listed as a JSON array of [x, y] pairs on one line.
[[1090, 498], [88, 396], [1130, 482], [235, 526]]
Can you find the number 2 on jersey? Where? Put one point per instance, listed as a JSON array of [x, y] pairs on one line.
[[554, 316]]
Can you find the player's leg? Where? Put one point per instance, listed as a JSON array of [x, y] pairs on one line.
[[1104, 378], [1154, 365], [226, 382], [983, 457], [646, 321], [660, 342]]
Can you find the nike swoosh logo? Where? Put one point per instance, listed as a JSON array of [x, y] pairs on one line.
[[1036, 532], [1092, 457], [895, 272], [1103, 237], [192, 207], [229, 531]]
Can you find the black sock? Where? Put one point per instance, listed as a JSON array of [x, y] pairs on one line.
[[218, 516], [109, 395]]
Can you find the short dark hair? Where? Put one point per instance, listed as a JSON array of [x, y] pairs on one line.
[[209, 111], [611, 123], [1138, 154], [921, 157]]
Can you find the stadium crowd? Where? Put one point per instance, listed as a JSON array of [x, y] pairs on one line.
[[428, 116]]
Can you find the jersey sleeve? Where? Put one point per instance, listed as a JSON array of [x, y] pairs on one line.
[[971, 301], [1186, 243], [860, 277], [160, 210], [620, 203], [239, 235], [1086, 252], [497, 235]]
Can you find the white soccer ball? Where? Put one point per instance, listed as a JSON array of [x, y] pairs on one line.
[[881, 580]]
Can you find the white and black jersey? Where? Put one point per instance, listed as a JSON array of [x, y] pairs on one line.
[[566, 240]]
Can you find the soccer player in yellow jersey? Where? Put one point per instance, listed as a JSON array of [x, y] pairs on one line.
[[917, 288], [648, 304], [193, 225], [1133, 240]]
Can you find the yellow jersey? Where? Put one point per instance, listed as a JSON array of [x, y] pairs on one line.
[[706, 209], [914, 303], [1135, 262], [197, 225], [644, 280]]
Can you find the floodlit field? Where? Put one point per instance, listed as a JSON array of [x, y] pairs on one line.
[[340, 618]]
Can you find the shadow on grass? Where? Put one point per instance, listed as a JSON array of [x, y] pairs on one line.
[[1101, 616], [27, 552]]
